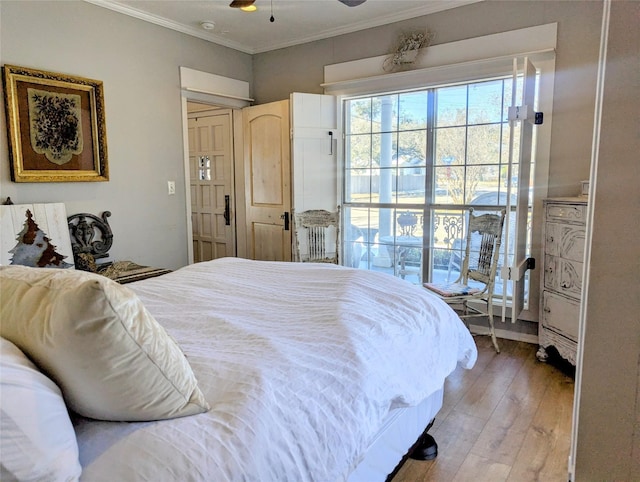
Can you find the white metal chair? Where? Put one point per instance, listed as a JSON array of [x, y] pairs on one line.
[[317, 233], [409, 258], [479, 266]]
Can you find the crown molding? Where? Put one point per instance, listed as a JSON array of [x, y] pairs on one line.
[[163, 22], [426, 9]]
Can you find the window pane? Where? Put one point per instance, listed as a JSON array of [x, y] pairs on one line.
[[409, 223], [483, 144], [384, 217], [359, 118], [387, 185], [481, 180], [413, 111], [451, 178], [441, 193], [358, 185], [451, 106], [472, 182], [384, 113], [450, 146], [375, 153], [354, 237], [446, 245], [358, 153], [408, 247], [412, 149], [485, 102], [375, 185], [410, 186]]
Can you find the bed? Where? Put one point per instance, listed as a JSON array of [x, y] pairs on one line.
[[306, 372]]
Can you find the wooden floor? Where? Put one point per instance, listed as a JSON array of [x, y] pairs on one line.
[[507, 419]]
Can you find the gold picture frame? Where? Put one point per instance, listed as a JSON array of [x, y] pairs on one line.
[[56, 126]]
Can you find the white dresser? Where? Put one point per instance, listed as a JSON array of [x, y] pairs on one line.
[[563, 247]]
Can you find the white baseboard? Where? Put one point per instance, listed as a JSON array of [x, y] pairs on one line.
[[506, 334]]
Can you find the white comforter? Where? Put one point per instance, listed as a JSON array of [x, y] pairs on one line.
[[300, 363]]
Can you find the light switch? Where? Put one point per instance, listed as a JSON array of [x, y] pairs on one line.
[[172, 187]]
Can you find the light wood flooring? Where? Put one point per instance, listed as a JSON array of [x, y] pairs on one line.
[[507, 419]]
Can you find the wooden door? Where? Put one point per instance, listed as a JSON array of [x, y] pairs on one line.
[[266, 171], [211, 183]]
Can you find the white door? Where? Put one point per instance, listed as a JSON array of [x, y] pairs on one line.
[[211, 184], [313, 147], [522, 115]]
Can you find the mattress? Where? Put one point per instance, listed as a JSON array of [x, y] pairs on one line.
[[301, 364]]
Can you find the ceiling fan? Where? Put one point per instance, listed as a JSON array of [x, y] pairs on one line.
[[248, 3]]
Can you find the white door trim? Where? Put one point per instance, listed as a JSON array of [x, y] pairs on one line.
[[206, 88]]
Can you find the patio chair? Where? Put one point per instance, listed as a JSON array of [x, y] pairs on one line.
[[317, 235], [479, 266], [409, 257], [353, 246]]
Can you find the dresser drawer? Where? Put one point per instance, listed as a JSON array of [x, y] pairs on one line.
[[563, 275], [561, 314], [573, 213], [565, 241]]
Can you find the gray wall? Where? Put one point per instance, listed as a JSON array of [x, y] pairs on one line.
[[609, 425], [139, 65]]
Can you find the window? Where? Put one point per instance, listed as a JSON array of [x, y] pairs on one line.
[[414, 162], [466, 62]]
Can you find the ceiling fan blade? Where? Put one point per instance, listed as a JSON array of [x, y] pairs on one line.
[[241, 3], [352, 3]]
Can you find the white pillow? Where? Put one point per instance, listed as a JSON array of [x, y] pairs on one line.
[[95, 339], [38, 441]]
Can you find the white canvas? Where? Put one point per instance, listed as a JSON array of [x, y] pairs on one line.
[[51, 221]]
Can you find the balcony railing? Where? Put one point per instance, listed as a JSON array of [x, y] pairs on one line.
[[401, 253]]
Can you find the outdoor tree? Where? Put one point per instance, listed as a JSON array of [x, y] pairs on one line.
[[470, 141]]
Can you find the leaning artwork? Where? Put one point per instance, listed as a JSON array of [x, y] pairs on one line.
[[35, 235]]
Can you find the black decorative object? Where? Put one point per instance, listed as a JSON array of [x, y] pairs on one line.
[[91, 237], [427, 449]]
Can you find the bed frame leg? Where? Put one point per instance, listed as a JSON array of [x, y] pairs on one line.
[[426, 449]]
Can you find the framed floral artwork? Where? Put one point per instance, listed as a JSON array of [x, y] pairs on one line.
[[56, 125]]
